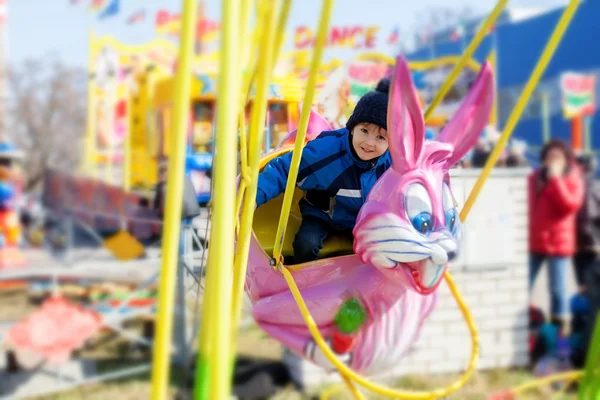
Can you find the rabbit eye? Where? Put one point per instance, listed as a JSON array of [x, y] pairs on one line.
[[418, 208], [422, 223], [451, 219], [449, 204]]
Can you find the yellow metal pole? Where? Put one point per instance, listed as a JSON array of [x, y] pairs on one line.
[[213, 367], [244, 49], [280, 31], [352, 388], [262, 7], [564, 376], [90, 136], [244, 44], [244, 168], [302, 126], [173, 205], [483, 30], [440, 62], [256, 136], [281, 23], [536, 75], [255, 43], [493, 64]]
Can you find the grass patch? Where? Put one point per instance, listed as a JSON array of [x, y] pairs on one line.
[[479, 387]]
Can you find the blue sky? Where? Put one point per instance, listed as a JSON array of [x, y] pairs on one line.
[[37, 28]]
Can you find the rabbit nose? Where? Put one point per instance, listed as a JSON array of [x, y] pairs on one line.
[[452, 255]]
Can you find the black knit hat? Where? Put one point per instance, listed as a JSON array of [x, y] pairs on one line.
[[372, 107]]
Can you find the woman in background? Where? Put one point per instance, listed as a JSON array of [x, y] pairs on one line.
[[556, 192]]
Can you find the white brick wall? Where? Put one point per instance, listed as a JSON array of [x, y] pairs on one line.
[[496, 295]]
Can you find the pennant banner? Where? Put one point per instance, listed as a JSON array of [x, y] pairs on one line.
[[170, 25], [136, 17], [111, 9], [97, 5]]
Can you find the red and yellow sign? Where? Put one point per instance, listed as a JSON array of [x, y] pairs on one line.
[[353, 37]]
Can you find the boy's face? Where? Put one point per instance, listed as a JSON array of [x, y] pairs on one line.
[[369, 141]]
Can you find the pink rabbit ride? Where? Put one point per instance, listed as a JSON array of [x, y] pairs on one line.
[[370, 306]]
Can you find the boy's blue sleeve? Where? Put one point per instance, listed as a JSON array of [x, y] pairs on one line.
[[273, 179]]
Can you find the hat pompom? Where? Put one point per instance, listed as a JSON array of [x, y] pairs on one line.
[[383, 86], [372, 107]]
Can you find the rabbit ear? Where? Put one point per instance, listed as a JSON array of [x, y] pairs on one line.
[[316, 125], [466, 126], [406, 128]]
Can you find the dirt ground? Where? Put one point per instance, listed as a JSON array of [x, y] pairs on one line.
[[255, 343]]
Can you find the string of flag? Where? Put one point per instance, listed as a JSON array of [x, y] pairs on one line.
[[165, 22], [105, 8], [137, 17], [460, 30], [110, 8], [394, 36]]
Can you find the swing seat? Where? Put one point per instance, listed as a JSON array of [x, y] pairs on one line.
[[266, 219]]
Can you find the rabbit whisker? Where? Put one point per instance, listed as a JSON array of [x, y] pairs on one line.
[[401, 240], [408, 252], [411, 253], [384, 226]]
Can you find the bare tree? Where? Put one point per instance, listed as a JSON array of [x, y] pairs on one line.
[[46, 115]]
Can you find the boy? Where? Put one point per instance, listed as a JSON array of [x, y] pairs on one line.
[[337, 171]]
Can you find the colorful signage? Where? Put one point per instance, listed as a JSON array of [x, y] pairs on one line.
[[353, 37], [578, 94]]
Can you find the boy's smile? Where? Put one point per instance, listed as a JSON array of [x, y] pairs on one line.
[[369, 141]]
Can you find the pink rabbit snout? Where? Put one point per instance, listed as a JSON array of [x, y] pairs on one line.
[[388, 242], [425, 275], [444, 246]]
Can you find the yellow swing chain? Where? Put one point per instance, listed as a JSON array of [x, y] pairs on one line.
[[311, 85], [269, 40]]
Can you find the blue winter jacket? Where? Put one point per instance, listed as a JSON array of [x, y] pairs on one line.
[[336, 182]]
